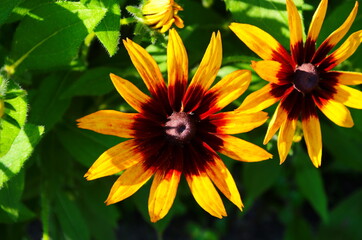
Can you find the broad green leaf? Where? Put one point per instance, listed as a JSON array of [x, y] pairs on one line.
[[6, 7], [271, 16], [345, 219], [57, 31], [84, 145], [72, 223], [47, 108], [10, 195], [20, 151], [310, 183], [108, 30], [94, 82], [13, 119], [259, 177]]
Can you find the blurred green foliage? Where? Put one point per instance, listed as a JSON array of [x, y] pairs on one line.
[[56, 57]]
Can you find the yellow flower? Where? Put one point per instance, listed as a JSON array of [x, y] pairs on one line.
[[177, 130], [303, 81], [161, 14]]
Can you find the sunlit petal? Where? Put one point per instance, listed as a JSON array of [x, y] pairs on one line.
[[272, 71], [317, 21], [162, 193], [109, 122], [336, 112], [206, 195], [348, 96], [114, 160], [220, 175], [128, 183], [285, 138], [279, 117], [296, 32], [313, 138], [348, 78]]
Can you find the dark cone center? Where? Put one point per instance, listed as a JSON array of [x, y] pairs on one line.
[[306, 78], [180, 126]]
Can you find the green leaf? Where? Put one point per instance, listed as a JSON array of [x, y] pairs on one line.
[[310, 183], [6, 7], [71, 220], [13, 119], [20, 151], [259, 177], [298, 229], [57, 31], [10, 195], [345, 220], [271, 16], [94, 82], [84, 145], [22, 9], [47, 108], [108, 30]]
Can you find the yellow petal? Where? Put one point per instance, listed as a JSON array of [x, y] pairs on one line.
[[260, 42], [146, 67], [285, 138], [313, 139], [114, 160], [206, 72], [344, 51], [227, 90], [317, 21], [237, 122], [206, 195], [220, 175], [177, 68], [295, 29], [130, 93], [279, 117], [162, 194], [272, 71], [109, 122], [336, 112], [259, 100], [348, 78], [348, 96], [242, 150], [128, 183]]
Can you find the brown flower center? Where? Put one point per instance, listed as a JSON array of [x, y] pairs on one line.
[[306, 78], [180, 126]]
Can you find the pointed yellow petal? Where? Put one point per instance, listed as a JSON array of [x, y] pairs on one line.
[[317, 21], [242, 150], [205, 74], [272, 71], [313, 139], [109, 122], [336, 112], [237, 121], [220, 175], [348, 78], [227, 90], [114, 160], [285, 138], [348, 96], [279, 117], [344, 51], [260, 42], [295, 29], [146, 67], [206, 195], [130, 93], [162, 194], [177, 68], [259, 100], [128, 183]]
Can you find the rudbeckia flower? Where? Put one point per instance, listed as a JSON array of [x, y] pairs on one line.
[[177, 131], [303, 81], [161, 14]]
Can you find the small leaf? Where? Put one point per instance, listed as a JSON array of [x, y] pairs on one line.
[[310, 183], [57, 31], [71, 220], [20, 151]]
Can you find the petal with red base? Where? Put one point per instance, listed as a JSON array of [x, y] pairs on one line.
[[335, 111], [296, 33], [347, 78], [273, 71], [348, 96]]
